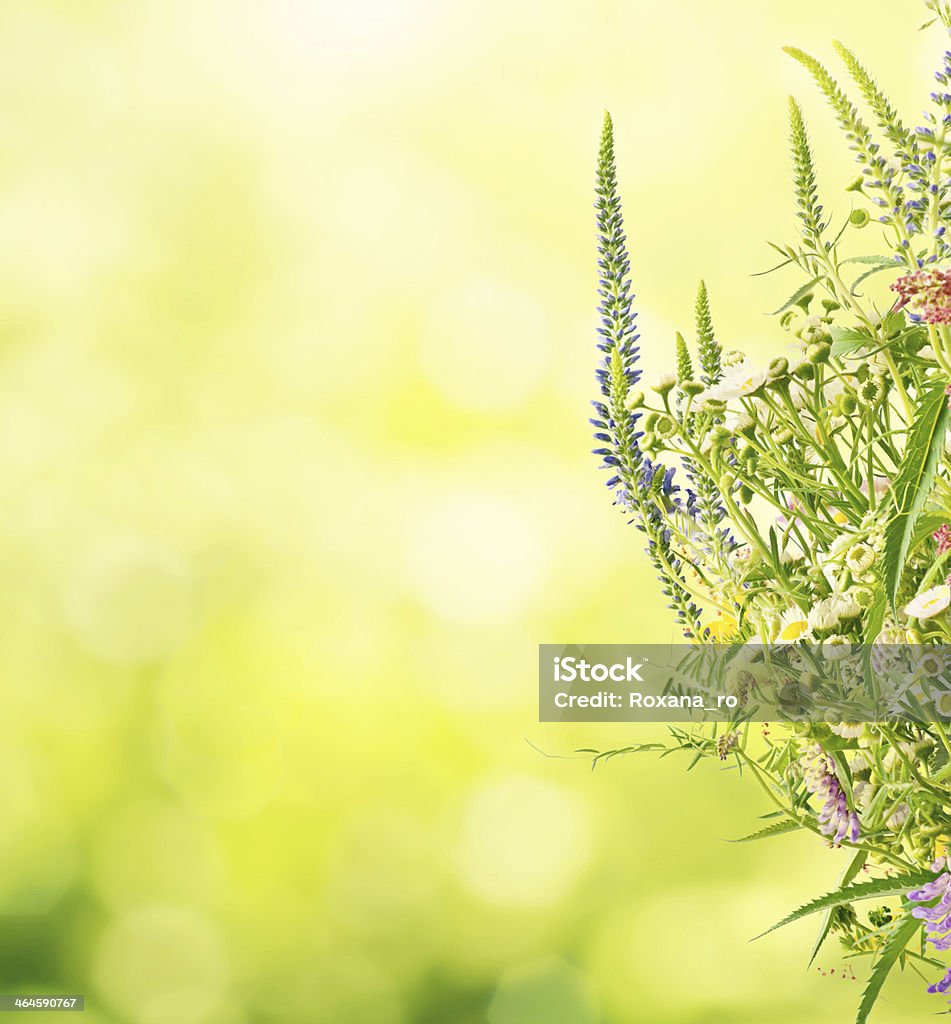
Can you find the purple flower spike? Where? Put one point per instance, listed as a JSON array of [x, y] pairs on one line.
[[836, 818]]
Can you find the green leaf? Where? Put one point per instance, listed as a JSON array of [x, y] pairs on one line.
[[854, 866], [891, 951], [879, 888], [878, 261], [913, 484], [799, 294], [874, 270], [778, 828], [928, 523]]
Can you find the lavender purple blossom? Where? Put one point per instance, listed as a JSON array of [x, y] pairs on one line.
[[937, 918], [835, 817]]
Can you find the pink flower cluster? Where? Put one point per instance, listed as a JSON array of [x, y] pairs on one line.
[[927, 293]]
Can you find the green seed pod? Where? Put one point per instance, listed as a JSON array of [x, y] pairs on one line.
[[691, 387], [749, 452], [859, 218], [818, 352]]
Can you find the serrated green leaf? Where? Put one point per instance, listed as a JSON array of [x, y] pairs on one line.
[[854, 866], [778, 828], [869, 273], [928, 523], [893, 948], [913, 485], [798, 294], [879, 261], [876, 889]]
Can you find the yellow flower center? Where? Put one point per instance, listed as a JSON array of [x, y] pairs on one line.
[[793, 630]]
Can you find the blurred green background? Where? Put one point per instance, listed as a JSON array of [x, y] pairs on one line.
[[297, 345]]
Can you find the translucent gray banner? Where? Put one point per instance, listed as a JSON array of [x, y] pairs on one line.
[[752, 682]]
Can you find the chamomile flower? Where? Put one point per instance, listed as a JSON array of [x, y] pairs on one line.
[[823, 615], [929, 603], [859, 558], [739, 381], [836, 647], [793, 626], [849, 730]]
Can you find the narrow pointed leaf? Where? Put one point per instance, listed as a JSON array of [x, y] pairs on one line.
[[854, 866], [879, 888], [913, 484], [891, 951], [778, 828]]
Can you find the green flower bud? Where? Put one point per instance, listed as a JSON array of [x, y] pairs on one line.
[[848, 402], [714, 406], [648, 441], [856, 184], [859, 218], [912, 636], [779, 367], [746, 494], [634, 400], [789, 319], [784, 436], [745, 426], [665, 427], [805, 371], [727, 483], [649, 420], [750, 466], [830, 305], [691, 387], [864, 597], [818, 352], [665, 383], [749, 452], [733, 358], [804, 302], [870, 391]]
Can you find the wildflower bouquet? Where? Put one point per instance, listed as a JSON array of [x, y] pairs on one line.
[[807, 502]]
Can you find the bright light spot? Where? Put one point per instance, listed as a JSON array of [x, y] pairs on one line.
[[486, 345], [160, 964], [129, 601], [356, 27], [523, 842], [474, 557], [544, 992]]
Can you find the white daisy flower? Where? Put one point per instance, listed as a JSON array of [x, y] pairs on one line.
[[849, 731], [793, 626], [824, 615], [859, 557], [836, 647], [738, 381], [929, 603]]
